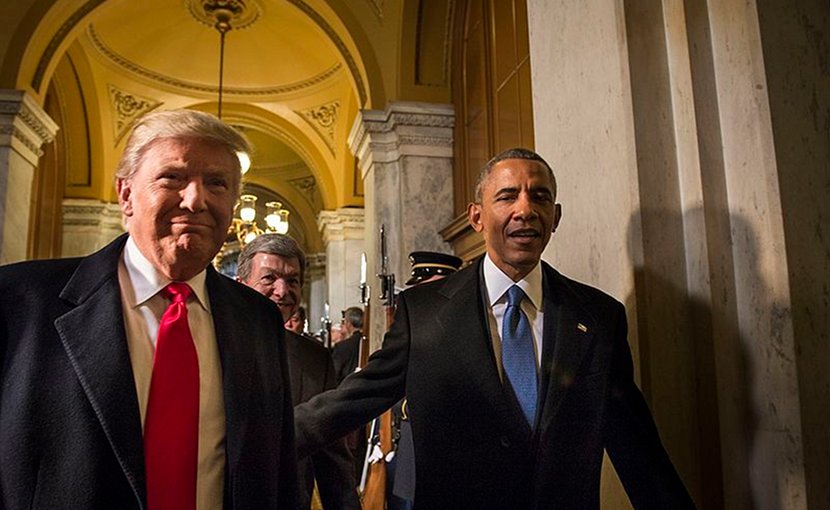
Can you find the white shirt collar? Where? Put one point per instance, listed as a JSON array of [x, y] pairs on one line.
[[498, 283], [147, 281]]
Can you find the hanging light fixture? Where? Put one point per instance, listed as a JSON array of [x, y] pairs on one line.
[[224, 11], [244, 225]]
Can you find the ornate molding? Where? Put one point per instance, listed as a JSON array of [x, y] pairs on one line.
[[341, 224], [403, 129], [246, 17], [316, 262], [84, 212], [22, 119], [307, 186], [126, 109], [323, 119], [134, 68]]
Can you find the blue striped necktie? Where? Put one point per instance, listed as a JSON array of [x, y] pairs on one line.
[[518, 358]]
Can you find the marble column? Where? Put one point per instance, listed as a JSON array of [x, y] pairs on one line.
[[88, 225], [315, 289], [405, 157], [24, 128], [343, 234]]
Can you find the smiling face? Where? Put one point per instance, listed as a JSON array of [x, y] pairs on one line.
[[516, 214], [277, 278], [179, 202]]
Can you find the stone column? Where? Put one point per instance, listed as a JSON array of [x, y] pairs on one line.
[[315, 289], [24, 128], [405, 156], [343, 235], [88, 225]]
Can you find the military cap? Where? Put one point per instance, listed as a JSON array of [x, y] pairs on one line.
[[426, 264]]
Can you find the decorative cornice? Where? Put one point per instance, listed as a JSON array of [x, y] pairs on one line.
[[403, 129], [338, 42], [22, 119], [88, 212], [58, 38], [134, 68], [341, 224], [323, 119], [126, 109], [316, 261]]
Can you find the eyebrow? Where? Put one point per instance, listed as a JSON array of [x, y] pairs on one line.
[[515, 189]]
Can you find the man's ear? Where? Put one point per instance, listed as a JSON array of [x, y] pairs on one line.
[[557, 216], [474, 216], [124, 190]]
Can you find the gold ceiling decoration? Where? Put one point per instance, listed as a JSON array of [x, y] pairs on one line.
[[126, 109], [323, 119], [242, 14]]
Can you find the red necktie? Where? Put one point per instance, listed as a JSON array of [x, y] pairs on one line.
[[171, 426]]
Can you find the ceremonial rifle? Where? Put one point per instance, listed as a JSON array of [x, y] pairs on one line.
[[373, 479]]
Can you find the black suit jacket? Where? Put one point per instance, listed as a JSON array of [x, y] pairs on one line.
[[312, 372], [345, 355], [71, 431], [473, 447]]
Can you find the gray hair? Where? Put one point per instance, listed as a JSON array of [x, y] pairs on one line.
[[179, 124], [514, 153], [273, 244]]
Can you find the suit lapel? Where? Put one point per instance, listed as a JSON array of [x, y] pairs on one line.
[[236, 378], [95, 341], [465, 323], [568, 335]]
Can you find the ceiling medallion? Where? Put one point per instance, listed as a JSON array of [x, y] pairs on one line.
[[237, 13]]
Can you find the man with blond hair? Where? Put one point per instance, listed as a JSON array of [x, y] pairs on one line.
[[138, 377]]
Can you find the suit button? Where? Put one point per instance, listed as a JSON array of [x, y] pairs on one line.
[[504, 441]]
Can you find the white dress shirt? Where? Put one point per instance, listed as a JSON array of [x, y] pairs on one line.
[[143, 305], [497, 284]]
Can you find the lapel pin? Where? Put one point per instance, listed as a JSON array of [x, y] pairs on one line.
[[581, 327]]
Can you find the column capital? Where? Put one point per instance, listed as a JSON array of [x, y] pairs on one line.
[[341, 224], [24, 125], [316, 263], [403, 129]]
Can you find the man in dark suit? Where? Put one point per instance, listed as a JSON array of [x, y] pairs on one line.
[[125, 379], [346, 355], [427, 266], [346, 352], [517, 378], [274, 266]]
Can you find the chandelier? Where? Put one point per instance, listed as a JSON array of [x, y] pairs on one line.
[[244, 223]]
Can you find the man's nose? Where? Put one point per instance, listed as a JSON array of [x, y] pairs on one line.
[[193, 196], [280, 288], [524, 207]]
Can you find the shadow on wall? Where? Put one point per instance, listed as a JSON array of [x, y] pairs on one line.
[[694, 363]]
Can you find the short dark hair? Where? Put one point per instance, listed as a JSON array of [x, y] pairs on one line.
[[354, 316], [514, 153], [273, 244]]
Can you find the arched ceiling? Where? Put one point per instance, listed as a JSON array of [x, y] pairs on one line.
[[293, 81]]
